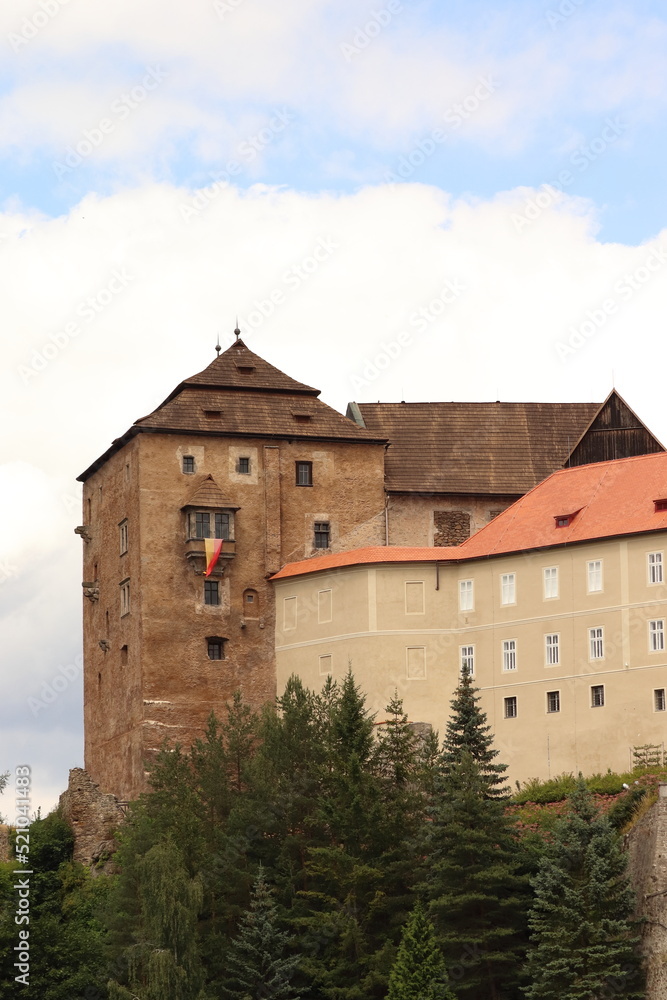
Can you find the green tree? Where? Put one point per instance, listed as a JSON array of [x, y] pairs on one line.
[[477, 890], [67, 939], [469, 733], [164, 960], [419, 971], [260, 966], [584, 940]]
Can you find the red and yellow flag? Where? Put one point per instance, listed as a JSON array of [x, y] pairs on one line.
[[213, 548]]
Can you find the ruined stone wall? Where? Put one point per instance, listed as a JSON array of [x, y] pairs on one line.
[[646, 845], [93, 816]]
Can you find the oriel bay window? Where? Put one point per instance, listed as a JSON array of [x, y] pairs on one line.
[[210, 524]]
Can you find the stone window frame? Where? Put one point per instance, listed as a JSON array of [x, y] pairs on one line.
[[215, 644], [125, 597], [211, 591], [123, 536]]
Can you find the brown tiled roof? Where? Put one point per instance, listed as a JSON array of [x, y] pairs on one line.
[[240, 368], [259, 401], [209, 494], [201, 410], [488, 448]]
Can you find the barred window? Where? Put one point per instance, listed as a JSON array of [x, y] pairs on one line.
[[510, 708], [553, 701], [597, 696]]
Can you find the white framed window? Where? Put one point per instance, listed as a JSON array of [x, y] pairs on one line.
[[468, 659], [510, 707], [125, 598], [596, 643], [654, 567], [509, 654], [656, 635], [553, 702], [466, 595], [552, 649], [123, 536], [550, 578], [597, 696], [659, 702], [508, 588], [594, 569]]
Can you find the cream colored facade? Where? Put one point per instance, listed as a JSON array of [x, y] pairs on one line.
[[404, 626]]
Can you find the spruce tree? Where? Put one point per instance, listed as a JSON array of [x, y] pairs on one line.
[[419, 970], [584, 940], [477, 891], [259, 964], [469, 733]]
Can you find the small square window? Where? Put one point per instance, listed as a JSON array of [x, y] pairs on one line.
[[322, 533], [211, 592], [304, 473], [215, 647], [597, 696], [244, 466], [510, 708], [123, 537], [188, 464], [659, 703], [553, 701], [466, 595]]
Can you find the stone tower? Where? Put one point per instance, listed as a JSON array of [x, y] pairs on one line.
[[240, 452]]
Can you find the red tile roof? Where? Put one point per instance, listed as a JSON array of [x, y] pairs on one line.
[[370, 555], [612, 499]]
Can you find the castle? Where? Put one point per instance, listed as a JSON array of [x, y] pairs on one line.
[[244, 454]]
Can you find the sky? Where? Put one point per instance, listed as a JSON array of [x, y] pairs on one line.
[[397, 199]]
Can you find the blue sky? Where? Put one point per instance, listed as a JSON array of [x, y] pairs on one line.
[[163, 169]]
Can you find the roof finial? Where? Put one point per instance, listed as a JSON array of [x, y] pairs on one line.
[[218, 348], [236, 329]]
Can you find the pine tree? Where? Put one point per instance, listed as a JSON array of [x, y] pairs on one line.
[[469, 733], [259, 964], [419, 970], [477, 891], [584, 940]]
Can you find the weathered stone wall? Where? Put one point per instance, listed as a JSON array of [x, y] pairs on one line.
[[646, 845], [433, 519], [93, 816], [152, 678]]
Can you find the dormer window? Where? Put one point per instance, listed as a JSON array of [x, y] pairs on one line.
[[565, 520], [245, 369], [212, 414], [660, 505], [302, 416]]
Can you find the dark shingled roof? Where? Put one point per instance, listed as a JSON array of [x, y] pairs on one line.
[[241, 394], [487, 448], [209, 494]]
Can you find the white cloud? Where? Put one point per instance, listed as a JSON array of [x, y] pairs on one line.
[[384, 254]]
